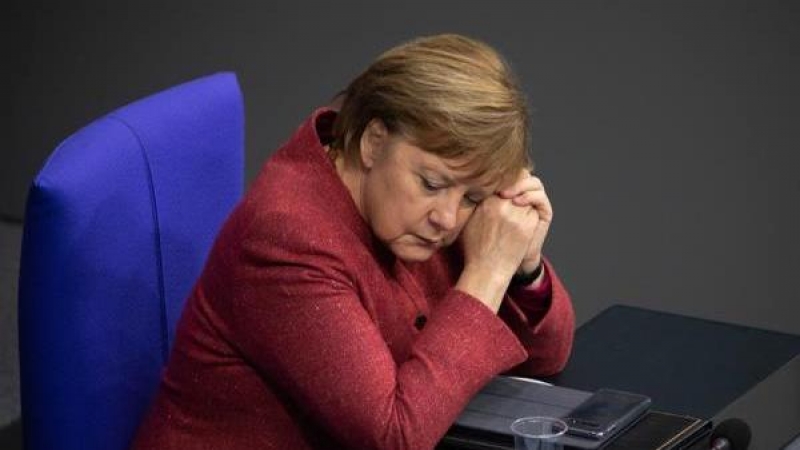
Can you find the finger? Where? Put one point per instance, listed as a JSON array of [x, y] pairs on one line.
[[539, 236], [537, 200], [530, 198], [528, 183]]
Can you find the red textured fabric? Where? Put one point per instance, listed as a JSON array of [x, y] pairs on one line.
[[302, 332]]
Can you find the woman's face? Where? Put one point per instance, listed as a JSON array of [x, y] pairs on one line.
[[413, 200]]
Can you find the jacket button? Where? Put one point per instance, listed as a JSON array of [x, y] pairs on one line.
[[420, 321]]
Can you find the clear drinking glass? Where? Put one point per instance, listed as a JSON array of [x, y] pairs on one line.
[[538, 433]]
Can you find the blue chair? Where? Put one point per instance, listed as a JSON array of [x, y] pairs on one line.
[[117, 227]]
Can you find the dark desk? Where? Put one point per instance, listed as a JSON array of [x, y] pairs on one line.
[[771, 408], [692, 366], [701, 368]]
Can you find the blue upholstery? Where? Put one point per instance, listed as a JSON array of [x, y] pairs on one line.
[[117, 227]]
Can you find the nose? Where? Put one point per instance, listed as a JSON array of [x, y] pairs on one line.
[[444, 214]]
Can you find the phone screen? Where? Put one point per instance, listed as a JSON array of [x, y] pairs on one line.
[[605, 411]]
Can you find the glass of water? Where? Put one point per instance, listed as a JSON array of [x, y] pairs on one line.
[[538, 433]]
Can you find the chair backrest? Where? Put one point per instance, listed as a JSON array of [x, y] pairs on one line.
[[117, 228]]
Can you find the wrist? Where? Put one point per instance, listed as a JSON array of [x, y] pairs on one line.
[[487, 285], [525, 278]]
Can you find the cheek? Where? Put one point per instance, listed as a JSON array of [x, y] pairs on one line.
[[405, 206], [392, 210]]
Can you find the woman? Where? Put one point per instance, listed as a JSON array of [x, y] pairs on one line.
[[385, 265]]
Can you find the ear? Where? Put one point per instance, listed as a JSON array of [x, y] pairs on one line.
[[373, 142]]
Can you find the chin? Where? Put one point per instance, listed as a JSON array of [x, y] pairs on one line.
[[413, 253]]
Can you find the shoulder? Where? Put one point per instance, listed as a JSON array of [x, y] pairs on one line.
[[297, 213], [291, 223], [298, 198], [269, 253]]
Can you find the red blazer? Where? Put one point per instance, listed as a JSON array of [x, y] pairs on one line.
[[305, 332]]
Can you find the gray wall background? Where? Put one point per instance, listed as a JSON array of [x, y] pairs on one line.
[[666, 131]]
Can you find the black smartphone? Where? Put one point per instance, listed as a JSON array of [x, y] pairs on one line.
[[604, 412]]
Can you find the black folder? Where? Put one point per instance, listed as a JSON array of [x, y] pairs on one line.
[[485, 423], [659, 430]]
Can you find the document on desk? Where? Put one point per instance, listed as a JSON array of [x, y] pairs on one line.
[[530, 380], [486, 421]]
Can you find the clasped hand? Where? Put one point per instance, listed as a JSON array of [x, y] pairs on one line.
[[507, 231]]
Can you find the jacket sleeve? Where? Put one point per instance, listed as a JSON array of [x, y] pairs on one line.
[[298, 318], [544, 321]]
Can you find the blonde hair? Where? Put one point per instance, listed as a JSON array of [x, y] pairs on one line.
[[450, 95]]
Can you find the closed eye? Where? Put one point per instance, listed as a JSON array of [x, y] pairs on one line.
[[472, 200], [469, 201], [430, 186]]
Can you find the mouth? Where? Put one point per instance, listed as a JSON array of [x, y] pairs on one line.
[[431, 242]]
